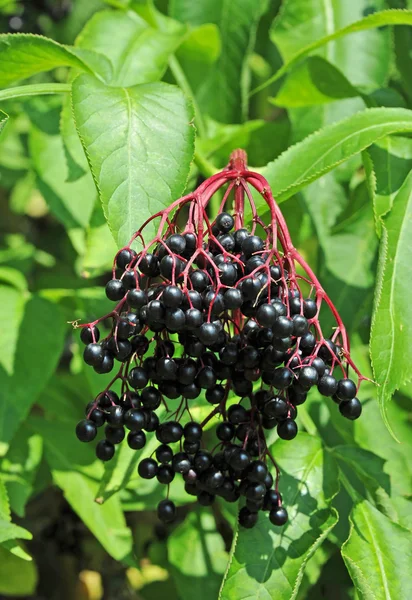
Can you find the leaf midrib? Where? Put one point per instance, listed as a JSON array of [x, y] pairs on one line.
[[378, 556]]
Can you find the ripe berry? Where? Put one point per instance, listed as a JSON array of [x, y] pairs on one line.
[[165, 474], [237, 414], [181, 463], [278, 516], [166, 511], [136, 440], [225, 431], [136, 298], [86, 334], [115, 416], [192, 431], [309, 308], [282, 327], [266, 315], [134, 419], [276, 408], [115, 435], [327, 385], [282, 378], [138, 378], [308, 376], [176, 243], [172, 296], [300, 325], [257, 472], [351, 409], [93, 354], [287, 430], [205, 499], [104, 450], [208, 333], [115, 289], [194, 318], [151, 398], [215, 395], [169, 432], [97, 416], [346, 389], [233, 298], [125, 257], [239, 459], [251, 245], [86, 430], [247, 518], [149, 265], [225, 222], [147, 468]]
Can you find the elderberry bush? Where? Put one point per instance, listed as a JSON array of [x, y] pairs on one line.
[[212, 309]]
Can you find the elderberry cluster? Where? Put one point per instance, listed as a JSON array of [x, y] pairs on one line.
[[214, 313]]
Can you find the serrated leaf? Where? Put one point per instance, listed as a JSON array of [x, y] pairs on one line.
[[269, 561], [392, 319], [304, 22], [375, 20], [223, 93], [139, 55], [377, 554], [77, 472], [197, 557], [390, 160], [19, 467], [145, 144], [38, 349], [30, 54], [322, 151]]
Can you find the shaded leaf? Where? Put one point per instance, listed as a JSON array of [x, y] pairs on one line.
[[77, 472], [197, 557], [145, 144], [38, 350], [237, 24]]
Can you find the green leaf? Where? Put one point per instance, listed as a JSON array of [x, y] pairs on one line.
[[17, 577], [391, 161], [392, 319], [197, 557], [378, 554], [9, 531], [378, 19], [314, 81], [19, 467], [269, 561], [139, 55], [30, 54], [100, 247], [77, 472], [38, 350], [12, 302], [145, 145], [331, 146], [368, 466], [70, 202], [305, 22], [237, 24]]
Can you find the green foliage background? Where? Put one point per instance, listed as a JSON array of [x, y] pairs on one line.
[[113, 113]]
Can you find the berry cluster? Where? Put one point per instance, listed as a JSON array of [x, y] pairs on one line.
[[211, 309]]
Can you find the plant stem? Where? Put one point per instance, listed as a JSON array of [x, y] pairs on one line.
[[181, 79], [35, 89]]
